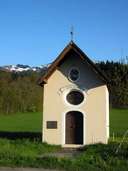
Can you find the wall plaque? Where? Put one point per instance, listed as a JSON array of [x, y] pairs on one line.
[[51, 124]]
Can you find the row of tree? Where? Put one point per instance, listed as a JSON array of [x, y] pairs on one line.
[[117, 75], [19, 92]]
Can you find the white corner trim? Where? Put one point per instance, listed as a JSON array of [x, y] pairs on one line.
[[107, 112], [63, 133]]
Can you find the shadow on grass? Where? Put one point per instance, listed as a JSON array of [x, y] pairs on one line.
[[21, 135]]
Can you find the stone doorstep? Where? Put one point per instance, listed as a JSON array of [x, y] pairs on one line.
[[59, 155], [64, 152]]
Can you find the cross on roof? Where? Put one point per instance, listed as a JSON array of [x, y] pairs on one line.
[[72, 33]]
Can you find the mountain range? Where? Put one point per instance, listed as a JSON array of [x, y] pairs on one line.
[[21, 68]]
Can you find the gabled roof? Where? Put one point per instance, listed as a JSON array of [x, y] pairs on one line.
[[81, 54]]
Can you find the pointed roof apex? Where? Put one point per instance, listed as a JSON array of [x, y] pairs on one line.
[[71, 46], [71, 42]]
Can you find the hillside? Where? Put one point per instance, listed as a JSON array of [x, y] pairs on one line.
[[19, 91]]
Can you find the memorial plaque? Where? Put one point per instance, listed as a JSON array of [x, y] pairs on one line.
[[51, 124]]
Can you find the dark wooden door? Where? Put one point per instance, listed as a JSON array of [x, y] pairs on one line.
[[74, 128]]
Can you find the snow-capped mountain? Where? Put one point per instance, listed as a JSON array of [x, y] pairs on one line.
[[21, 68]]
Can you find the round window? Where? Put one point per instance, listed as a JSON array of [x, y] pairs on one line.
[[75, 97], [74, 74]]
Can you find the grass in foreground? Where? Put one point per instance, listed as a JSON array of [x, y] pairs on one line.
[[99, 157], [26, 153]]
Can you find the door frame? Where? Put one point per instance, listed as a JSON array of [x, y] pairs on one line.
[[63, 132]]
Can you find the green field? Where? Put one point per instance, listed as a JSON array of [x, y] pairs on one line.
[[118, 122], [25, 122], [32, 122], [34, 153]]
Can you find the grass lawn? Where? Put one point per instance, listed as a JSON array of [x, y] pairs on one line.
[[32, 122], [118, 121], [24, 122], [27, 153], [99, 157]]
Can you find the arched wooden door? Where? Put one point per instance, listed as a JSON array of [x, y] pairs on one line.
[[74, 128]]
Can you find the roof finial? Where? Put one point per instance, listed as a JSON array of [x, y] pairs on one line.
[[72, 33]]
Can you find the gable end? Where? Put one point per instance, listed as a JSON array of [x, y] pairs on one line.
[[62, 56]]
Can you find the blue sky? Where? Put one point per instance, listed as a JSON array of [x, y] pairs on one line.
[[34, 32]]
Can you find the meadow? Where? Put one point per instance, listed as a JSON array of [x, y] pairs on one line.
[[34, 153], [118, 122], [32, 122], [21, 122]]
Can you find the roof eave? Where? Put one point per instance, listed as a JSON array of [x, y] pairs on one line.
[[70, 46]]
